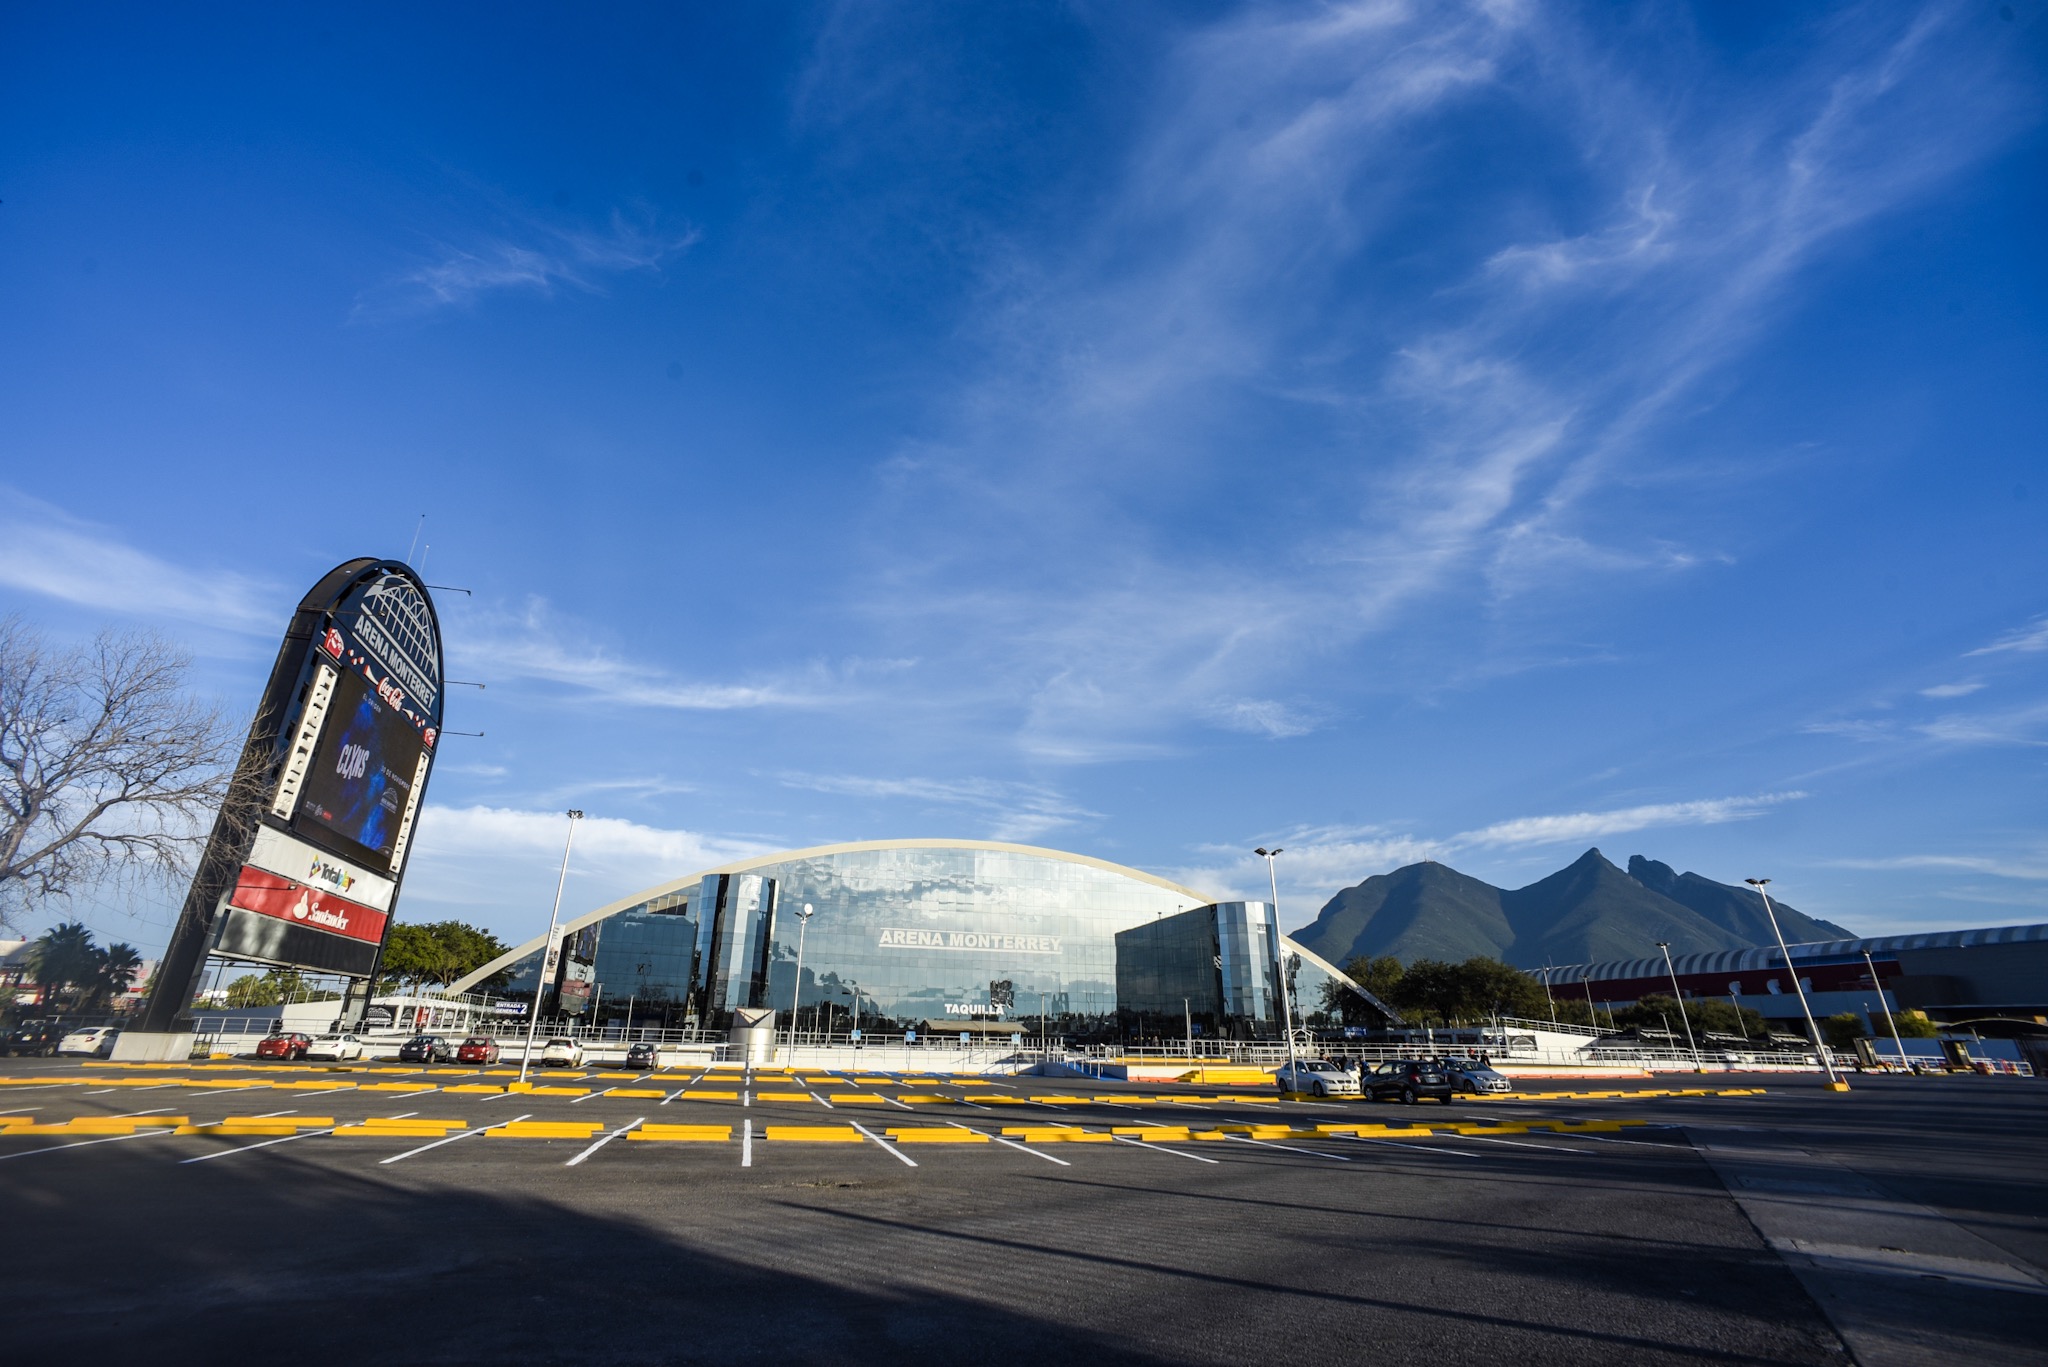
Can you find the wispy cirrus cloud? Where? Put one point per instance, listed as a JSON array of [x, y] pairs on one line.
[[1572, 827], [2031, 639], [1005, 810], [47, 552], [2024, 869], [1448, 434], [535, 642], [1952, 690], [1317, 860], [535, 258]]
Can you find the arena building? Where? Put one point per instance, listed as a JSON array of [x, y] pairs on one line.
[[1983, 977], [931, 935]]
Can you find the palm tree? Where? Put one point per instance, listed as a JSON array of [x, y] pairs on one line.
[[64, 956], [118, 963]]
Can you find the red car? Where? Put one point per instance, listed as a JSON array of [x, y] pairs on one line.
[[477, 1049], [286, 1044]]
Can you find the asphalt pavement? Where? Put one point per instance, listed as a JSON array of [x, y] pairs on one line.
[[228, 1212]]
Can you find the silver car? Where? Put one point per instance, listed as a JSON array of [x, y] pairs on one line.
[[1316, 1077], [1467, 1076]]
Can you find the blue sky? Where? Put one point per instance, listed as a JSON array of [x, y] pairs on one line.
[[1468, 430]]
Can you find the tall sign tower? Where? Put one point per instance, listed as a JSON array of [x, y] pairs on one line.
[[307, 855]]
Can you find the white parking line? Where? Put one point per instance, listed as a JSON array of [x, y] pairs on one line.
[[421, 1092], [1014, 1144], [747, 1145], [590, 1096], [1520, 1144], [604, 1141], [887, 1147], [285, 1139], [747, 1097], [102, 1091], [673, 1095], [20, 1110], [1161, 1148], [452, 1138], [1267, 1144], [130, 1115], [79, 1144], [899, 1105], [822, 1102], [216, 1091], [1399, 1144]]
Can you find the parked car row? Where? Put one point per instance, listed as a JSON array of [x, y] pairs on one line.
[[557, 1052], [33, 1037], [1405, 1080]]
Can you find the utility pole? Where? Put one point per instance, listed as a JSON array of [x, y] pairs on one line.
[[1280, 963], [1835, 1084], [1889, 1023], [550, 952]]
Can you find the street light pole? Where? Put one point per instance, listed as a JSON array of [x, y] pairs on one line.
[[1889, 1023], [550, 951], [796, 995], [1835, 1084], [1280, 964], [1546, 994], [1692, 1046]]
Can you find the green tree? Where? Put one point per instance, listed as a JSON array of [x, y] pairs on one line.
[[116, 972], [250, 990], [1475, 990], [1378, 976], [437, 952], [1914, 1025], [1843, 1030], [1704, 1013], [62, 959]]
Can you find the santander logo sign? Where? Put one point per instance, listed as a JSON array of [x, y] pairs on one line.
[[269, 894]]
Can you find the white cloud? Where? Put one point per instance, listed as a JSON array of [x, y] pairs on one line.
[[2031, 639], [1458, 432], [1578, 826], [544, 259], [2034, 870], [2023, 725], [498, 865], [1950, 690], [1020, 812], [536, 644], [47, 552]]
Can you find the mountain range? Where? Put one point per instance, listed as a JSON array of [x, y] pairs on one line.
[[1587, 911]]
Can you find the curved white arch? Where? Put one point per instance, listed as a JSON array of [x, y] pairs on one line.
[[512, 956]]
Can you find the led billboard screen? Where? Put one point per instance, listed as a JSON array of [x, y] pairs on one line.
[[357, 785]]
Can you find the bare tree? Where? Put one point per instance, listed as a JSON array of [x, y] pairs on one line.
[[107, 763]]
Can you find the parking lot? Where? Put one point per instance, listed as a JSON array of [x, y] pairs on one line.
[[219, 1210]]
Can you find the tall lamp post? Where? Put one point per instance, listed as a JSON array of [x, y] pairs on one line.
[[796, 995], [1889, 1023], [1280, 960], [550, 953], [1835, 1084], [1691, 1046]]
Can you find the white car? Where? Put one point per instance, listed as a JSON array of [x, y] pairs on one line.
[[95, 1040], [562, 1053], [336, 1047], [1317, 1077], [1467, 1076]]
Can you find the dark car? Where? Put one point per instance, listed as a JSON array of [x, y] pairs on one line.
[[642, 1055], [284, 1044], [35, 1037], [426, 1049], [477, 1049], [1409, 1080]]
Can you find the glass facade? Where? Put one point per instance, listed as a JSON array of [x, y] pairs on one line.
[[1212, 967], [906, 938]]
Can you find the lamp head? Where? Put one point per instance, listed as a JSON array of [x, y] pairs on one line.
[[575, 815], [1756, 882], [1262, 850], [1663, 944]]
